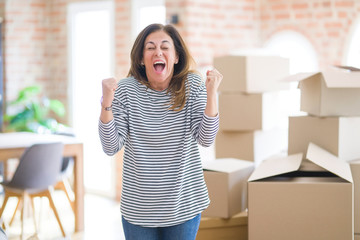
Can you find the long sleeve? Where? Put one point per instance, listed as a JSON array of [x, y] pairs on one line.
[[203, 128], [114, 133]]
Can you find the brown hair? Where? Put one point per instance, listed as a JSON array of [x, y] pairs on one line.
[[177, 86]]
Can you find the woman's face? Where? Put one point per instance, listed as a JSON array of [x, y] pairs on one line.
[[159, 57]]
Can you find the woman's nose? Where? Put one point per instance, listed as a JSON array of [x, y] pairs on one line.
[[158, 52]]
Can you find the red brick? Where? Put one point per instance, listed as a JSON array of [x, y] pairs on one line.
[[300, 6], [342, 14], [343, 3], [334, 34], [326, 4], [324, 15], [278, 7], [282, 16], [333, 25]]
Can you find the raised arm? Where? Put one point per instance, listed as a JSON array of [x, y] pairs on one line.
[[213, 80], [113, 121], [109, 86]]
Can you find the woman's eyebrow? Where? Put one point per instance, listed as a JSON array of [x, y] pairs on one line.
[[151, 42]]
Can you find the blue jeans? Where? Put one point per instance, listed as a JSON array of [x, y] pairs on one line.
[[184, 231]]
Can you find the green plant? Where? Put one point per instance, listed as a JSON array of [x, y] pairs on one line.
[[31, 112]]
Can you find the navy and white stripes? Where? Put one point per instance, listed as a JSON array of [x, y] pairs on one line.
[[163, 183]]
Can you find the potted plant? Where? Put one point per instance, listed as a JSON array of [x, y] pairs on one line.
[[31, 111]]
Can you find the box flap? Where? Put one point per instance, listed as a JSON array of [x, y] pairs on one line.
[[276, 166], [226, 165], [350, 68], [341, 78], [329, 162], [299, 76]]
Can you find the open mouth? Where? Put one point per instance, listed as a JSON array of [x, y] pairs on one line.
[[159, 66]]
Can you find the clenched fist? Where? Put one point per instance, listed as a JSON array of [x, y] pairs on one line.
[[109, 86], [213, 80], [212, 83]]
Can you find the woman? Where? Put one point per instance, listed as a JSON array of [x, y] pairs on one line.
[[159, 114]]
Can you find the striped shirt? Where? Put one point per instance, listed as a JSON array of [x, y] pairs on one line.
[[163, 182]]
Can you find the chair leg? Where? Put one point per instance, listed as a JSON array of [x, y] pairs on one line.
[[33, 213], [24, 200], [49, 194], [6, 198], [64, 185], [14, 214]]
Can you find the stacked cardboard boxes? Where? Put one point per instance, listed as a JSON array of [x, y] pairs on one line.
[[226, 180], [332, 101], [250, 107], [226, 216], [301, 188], [249, 132]]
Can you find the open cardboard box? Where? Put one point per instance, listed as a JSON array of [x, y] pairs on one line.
[[290, 201], [333, 92], [226, 180]]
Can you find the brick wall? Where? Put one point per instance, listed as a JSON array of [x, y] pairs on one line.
[[35, 47], [35, 33], [213, 28], [325, 23], [24, 44], [123, 41]]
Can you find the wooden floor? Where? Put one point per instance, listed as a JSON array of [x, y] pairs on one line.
[[102, 220]]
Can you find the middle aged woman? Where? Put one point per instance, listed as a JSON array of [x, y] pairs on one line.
[[160, 113]]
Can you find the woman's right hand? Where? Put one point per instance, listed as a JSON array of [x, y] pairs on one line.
[[109, 86]]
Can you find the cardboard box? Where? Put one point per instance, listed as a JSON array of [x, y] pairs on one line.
[[355, 171], [224, 229], [252, 146], [334, 92], [252, 74], [357, 237], [286, 202], [338, 135], [226, 180], [245, 112]]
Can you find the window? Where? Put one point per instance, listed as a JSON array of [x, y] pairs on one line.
[[302, 58], [297, 48], [352, 56], [146, 12]]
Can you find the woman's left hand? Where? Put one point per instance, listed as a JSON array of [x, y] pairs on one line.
[[212, 83], [213, 80]]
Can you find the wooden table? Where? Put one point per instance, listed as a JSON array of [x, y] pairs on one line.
[[12, 145]]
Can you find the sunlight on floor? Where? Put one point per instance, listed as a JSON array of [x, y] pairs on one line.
[[102, 220]]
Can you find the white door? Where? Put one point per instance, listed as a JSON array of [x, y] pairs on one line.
[[91, 45]]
